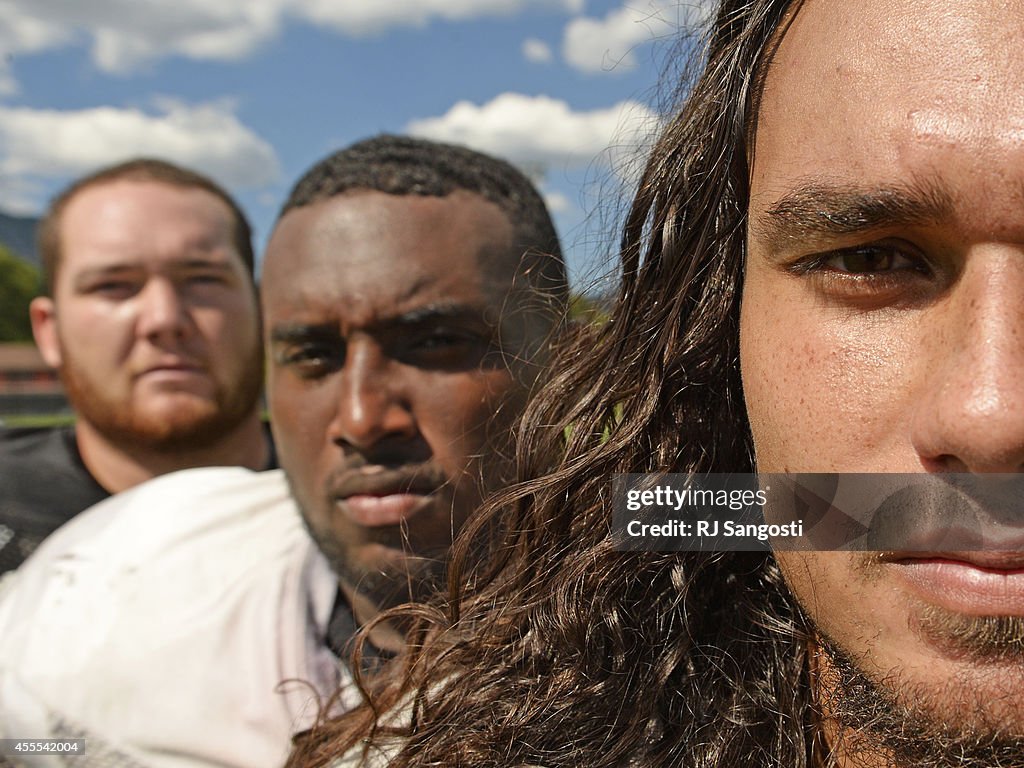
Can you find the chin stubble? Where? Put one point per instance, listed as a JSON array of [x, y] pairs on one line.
[[978, 639], [908, 729], [385, 587], [193, 429]]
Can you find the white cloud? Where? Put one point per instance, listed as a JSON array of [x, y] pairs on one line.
[[557, 202], [536, 51], [126, 34], [23, 33], [37, 144], [537, 132], [361, 17], [609, 44]]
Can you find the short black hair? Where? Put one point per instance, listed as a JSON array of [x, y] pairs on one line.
[[402, 165]]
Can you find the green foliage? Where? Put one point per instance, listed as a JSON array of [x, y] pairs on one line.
[[588, 309], [19, 283]]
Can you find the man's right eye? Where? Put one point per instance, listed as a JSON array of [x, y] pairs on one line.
[[873, 259], [312, 359], [113, 289], [874, 275]]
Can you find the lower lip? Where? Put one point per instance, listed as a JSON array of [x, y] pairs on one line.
[[171, 374], [173, 377], [965, 588], [378, 511]]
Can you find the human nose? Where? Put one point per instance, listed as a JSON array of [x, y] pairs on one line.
[[971, 418], [162, 313], [371, 409]]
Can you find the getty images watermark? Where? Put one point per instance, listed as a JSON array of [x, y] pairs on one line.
[[821, 511]]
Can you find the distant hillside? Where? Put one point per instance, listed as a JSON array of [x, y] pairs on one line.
[[19, 234]]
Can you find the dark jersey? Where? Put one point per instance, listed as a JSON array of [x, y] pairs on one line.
[[43, 484]]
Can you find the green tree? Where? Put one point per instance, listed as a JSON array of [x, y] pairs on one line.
[[19, 283]]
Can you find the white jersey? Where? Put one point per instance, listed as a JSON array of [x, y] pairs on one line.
[[180, 623]]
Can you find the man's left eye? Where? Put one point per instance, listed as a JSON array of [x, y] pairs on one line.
[[114, 288], [444, 349], [443, 340], [205, 279]]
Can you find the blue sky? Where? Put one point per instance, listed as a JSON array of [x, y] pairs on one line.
[[253, 92]]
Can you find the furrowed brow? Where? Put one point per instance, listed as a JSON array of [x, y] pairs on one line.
[[441, 312], [819, 211], [293, 332]]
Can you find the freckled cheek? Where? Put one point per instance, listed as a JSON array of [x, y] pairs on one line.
[[820, 394], [776, 361]]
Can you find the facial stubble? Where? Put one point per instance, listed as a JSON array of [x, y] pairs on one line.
[[958, 724], [196, 426]]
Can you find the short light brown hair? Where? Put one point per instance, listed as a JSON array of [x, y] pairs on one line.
[[140, 169]]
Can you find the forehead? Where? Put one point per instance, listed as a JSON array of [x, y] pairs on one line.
[[369, 254], [140, 221], [894, 92]]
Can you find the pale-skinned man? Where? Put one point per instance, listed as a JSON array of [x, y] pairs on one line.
[[150, 317]]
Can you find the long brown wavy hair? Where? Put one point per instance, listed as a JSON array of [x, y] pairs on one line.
[[553, 649]]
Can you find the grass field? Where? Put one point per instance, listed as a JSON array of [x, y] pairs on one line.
[[37, 419]]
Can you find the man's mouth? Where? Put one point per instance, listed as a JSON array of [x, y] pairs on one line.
[[375, 497], [987, 583], [170, 369], [381, 511]]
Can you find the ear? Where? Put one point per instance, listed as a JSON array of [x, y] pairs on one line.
[[43, 315]]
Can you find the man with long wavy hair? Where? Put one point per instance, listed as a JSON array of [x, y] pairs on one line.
[[822, 271]]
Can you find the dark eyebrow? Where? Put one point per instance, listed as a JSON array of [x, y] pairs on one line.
[[426, 315], [433, 313], [817, 210], [288, 333]]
